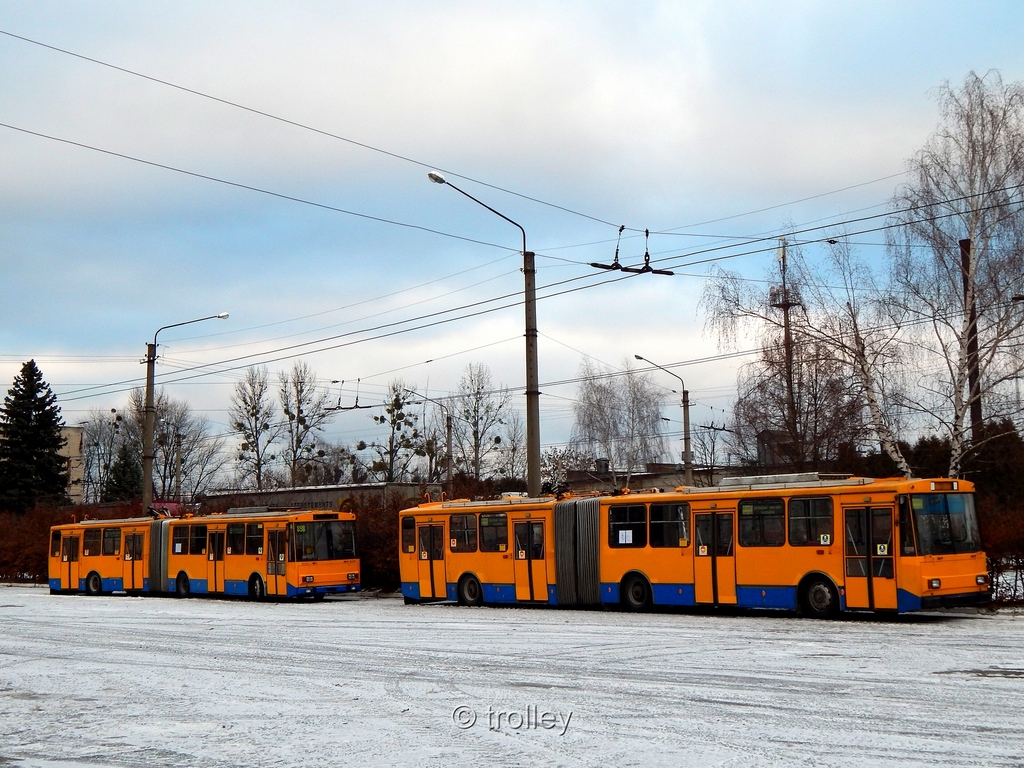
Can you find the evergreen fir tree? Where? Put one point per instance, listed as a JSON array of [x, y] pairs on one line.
[[31, 467], [124, 483]]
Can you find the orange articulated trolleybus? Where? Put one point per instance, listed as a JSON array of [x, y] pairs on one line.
[[791, 542], [252, 552]]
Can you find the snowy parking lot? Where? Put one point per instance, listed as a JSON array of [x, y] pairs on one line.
[[119, 681]]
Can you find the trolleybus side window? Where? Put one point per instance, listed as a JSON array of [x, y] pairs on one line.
[[111, 541], [179, 540], [462, 529], [907, 545], [627, 526], [762, 523], [254, 538], [810, 522], [493, 532], [670, 525], [55, 544], [236, 538], [91, 542], [408, 534], [197, 542]]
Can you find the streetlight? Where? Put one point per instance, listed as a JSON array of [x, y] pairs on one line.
[[147, 431], [532, 383], [687, 461], [448, 437]]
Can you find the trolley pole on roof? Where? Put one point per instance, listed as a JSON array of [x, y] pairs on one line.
[[150, 412], [532, 380]]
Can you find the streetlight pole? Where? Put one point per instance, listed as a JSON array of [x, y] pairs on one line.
[[150, 413], [687, 460], [532, 380], [448, 438]]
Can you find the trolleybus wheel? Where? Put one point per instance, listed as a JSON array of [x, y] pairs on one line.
[[820, 600], [636, 593], [470, 592], [257, 589], [319, 596], [93, 584], [408, 600], [181, 586]]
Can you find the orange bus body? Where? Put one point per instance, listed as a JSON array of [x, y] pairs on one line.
[[784, 542], [253, 552]]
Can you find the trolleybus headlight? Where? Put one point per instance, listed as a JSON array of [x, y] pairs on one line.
[[934, 583], [308, 579], [982, 579], [353, 576]]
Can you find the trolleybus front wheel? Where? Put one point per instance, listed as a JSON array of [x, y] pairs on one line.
[[470, 592], [181, 585], [93, 584], [820, 600], [636, 593]]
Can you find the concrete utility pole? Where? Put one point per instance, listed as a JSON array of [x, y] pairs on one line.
[[685, 402], [150, 413], [532, 377]]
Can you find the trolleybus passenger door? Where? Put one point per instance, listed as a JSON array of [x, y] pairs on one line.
[[215, 562], [134, 561], [531, 572], [276, 565], [714, 564], [870, 561], [431, 561], [69, 562]]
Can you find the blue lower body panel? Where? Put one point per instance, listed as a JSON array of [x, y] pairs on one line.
[[673, 594], [905, 601], [782, 598]]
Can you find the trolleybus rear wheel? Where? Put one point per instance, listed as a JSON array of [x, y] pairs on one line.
[[181, 586], [470, 592], [636, 593], [93, 584], [820, 600], [257, 589]]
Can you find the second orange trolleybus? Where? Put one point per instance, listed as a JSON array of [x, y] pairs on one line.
[[785, 542]]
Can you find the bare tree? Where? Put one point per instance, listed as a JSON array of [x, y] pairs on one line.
[[307, 411], [253, 419], [958, 258], [556, 463], [101, 439], [618, 417], [188, 455], [479, 409], [830, 316], [512, 454], [404, 442]]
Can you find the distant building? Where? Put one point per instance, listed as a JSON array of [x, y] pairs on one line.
[[74, 459]]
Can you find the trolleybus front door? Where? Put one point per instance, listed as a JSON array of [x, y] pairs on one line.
[[531, 571], [276, 565], [132, 577], [69, 547], [714, 565], [431, 561], [870, 561], [215, 562]]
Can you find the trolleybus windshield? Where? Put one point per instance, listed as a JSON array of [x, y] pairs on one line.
[[946, 523], [333, 540]]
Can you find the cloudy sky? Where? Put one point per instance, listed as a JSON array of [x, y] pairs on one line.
[[162, 162]]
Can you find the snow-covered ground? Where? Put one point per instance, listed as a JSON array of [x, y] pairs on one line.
[[119, 681]]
